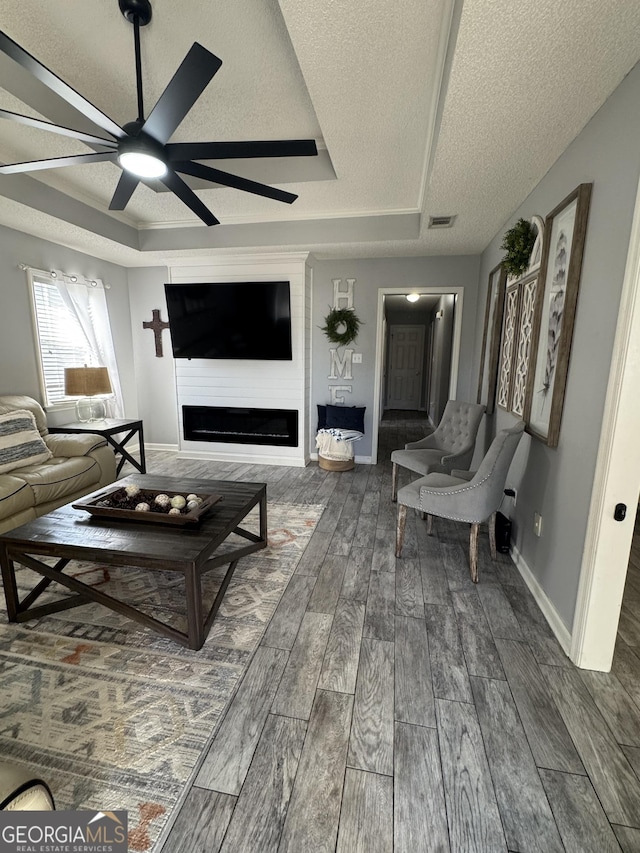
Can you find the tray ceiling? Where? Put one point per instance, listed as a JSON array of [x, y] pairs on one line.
[[419, 108]]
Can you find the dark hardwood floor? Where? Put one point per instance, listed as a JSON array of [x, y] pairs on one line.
[[395, 706]]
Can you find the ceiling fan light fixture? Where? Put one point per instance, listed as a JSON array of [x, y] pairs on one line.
[[142, 165], [142, 147]]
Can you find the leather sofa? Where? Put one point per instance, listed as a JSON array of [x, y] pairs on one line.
[[20, 790], [80, 464]]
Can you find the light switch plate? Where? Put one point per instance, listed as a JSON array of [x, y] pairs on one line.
[[537, 524], [357, 358]]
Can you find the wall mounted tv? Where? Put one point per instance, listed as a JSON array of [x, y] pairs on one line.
[[249, 319]]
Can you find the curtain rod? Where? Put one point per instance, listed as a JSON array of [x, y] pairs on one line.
[[90, 282]]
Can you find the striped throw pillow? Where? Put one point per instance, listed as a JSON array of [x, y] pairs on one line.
[[20, 442]]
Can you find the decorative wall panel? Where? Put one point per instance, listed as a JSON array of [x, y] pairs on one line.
[[522, 356], [509, 333]]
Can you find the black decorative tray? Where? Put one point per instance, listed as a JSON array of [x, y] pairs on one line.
[[115, 503]]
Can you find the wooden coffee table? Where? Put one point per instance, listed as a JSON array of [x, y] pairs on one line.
[[71, 534]]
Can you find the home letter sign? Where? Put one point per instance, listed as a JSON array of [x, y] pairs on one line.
[[341, 367], [336, 396], [339, 295]]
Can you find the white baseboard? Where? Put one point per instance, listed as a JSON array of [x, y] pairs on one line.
[[361, 460], [172, 448], [543, 601]]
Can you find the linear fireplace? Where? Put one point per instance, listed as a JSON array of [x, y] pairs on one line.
[[275, 427]]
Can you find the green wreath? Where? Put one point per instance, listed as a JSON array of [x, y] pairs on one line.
[[341, 317], [518, 244]]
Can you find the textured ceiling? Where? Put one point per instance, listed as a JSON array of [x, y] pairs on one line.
[[419, 107]]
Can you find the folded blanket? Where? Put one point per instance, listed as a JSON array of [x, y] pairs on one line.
[[337, 444], [341, 434]]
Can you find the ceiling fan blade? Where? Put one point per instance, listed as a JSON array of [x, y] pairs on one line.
[[57, 128], [175, 183], [13, 50], [233, 150], [183, 90], [198, 170], [57, 162], [124, 190]]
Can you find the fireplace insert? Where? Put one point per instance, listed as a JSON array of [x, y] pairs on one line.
[[276, 427]]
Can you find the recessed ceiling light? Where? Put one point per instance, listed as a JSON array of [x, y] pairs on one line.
[[413, 297]]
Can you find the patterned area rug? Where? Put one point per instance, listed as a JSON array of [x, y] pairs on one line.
[[114, 716]]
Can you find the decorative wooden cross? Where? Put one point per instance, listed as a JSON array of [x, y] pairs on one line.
[[157, 325]]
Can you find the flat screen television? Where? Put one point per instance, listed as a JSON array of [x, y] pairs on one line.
[[249, 320]]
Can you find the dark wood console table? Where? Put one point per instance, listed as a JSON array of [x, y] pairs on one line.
[[109, 428]]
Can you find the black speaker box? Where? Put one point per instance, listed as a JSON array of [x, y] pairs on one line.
[[503, 533]]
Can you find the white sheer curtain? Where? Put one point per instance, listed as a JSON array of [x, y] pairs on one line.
[[89, 304]]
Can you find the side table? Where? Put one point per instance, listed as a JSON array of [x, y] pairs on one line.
[[109, 428]]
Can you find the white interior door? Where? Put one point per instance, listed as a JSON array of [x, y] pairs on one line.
[[616, 486], [406, 367]]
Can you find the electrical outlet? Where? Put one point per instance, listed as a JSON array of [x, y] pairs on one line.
[[537, 524], [357, 358]]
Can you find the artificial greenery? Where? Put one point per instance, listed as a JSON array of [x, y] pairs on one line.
[[339, 318], [518, 244]]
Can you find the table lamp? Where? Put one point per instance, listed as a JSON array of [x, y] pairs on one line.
[[85, 383]]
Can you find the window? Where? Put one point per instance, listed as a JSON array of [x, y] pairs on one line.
[[72, 329]]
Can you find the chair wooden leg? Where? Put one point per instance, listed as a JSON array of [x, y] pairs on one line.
[[492, 536], [402, 519], [429, 525], [473, 551], [394, 482]]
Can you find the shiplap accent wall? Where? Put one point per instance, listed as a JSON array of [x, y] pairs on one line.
[[253, 383]]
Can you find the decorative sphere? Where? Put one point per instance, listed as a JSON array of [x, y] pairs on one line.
[[194, 498], [174, 511], [132, 490], [178, 502], [162, 500], [143, 507], [193, 505]]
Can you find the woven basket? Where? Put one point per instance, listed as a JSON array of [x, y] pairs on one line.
[[335, 464]]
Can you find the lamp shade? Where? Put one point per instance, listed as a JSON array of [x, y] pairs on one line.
[[86, 381]]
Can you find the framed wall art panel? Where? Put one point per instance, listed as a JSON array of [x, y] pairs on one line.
[[488, 375], [522, 354], [508, 345], [560, 268]]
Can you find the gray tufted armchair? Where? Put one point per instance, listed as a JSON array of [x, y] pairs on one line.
[[451, 445], [462, 496]]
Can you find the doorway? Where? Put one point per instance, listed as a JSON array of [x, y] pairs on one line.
[[396, 358]]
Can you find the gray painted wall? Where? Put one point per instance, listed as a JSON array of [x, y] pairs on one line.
[[442, 330], [371, 275], [155, 376], [18, 364], [558, 482]]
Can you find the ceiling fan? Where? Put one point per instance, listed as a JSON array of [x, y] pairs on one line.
[[141, 147]]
